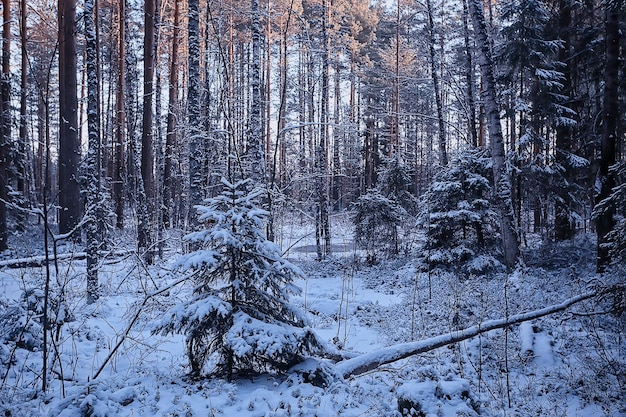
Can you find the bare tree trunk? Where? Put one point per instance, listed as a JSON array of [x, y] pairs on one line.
[[254, 137], [502, 184], [23, 180], [193, 113], [605, 221], [145, 203], [469, 79], [563, 225], [93, 154], [170, 138], [118, 175], [443, 153], [69, 142], [322, 223], [5, 121]]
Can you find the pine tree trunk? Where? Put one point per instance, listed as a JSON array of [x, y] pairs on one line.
[[254, 136], [469, 79], [93, 154], [563, 226], [605, 221], [322, 223], [118, 175], [502, 184], [145, 203], [5, 121], [193, 113], [23, 181], [443, 153], [170, 138], [69, 142]]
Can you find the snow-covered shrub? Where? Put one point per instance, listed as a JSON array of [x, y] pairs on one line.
[[433, 396], [20, 323], [461, 226], [239, 319]]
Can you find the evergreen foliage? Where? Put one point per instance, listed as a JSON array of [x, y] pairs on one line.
[[462, 227], [239, 319], [380, 212], [616, 204]]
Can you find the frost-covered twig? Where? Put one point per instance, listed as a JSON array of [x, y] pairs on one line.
[[134, 320], [369, 361]]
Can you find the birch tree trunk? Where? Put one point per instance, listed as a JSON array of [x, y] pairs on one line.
[[502, 183]]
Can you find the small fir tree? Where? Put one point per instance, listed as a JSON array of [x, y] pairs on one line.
[[377, 219], [381, 211], [239, 319], [462, 227]]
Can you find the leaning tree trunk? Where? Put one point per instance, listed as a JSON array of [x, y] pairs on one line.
[[605, 221], [502, 183]]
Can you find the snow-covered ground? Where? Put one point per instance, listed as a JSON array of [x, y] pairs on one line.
[[570, 364]]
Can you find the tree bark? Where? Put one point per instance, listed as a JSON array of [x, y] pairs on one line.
[[322, 224], [443, 153], [170, 138], [193, 113], [118, 180], [69, 142], [501, 180], [605, 221], [145, 203], [5, 121], [563, 226], [93, 154]]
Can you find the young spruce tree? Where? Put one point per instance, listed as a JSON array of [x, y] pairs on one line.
[[239, 319]]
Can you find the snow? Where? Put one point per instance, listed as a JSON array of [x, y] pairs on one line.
[[370, 313]]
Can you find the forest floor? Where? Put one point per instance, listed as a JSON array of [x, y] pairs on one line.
[[568, 364]]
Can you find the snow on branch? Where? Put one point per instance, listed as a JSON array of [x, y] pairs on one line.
[[369, 361]]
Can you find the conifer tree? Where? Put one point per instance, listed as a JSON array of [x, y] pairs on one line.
[[239, 318]]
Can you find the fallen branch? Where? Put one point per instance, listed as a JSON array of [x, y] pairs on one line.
[[35, 261], [369, 361]]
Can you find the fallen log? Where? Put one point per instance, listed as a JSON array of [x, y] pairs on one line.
[[372, 360], [36, 261]]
